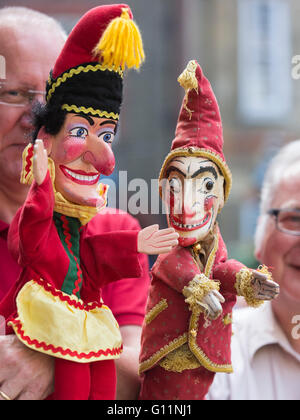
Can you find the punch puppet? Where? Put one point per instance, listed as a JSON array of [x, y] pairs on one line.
[[187, 330], [55, 306]]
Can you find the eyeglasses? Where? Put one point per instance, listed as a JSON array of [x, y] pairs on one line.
[[287, 220], [13, 96]]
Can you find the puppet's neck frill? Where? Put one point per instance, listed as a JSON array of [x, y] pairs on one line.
[[62, 205]]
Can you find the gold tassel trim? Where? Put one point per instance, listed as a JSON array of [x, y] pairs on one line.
[[244, 287], [199, 287], [188, 81], [121, 44]]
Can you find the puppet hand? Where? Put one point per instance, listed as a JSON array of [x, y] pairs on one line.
[[153, 241], [40, 162], [264, 288], [210, 305]]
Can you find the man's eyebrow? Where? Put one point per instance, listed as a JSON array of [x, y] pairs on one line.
[[174, 169], [203, 169]]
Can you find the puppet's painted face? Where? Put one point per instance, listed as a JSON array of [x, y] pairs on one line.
[[194, 196], [82, 152]]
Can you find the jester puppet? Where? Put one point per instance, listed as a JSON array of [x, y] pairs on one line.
[[187, 330], [56, 307]]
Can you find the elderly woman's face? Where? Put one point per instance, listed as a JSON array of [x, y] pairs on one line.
[[194, 196], [281, 251]]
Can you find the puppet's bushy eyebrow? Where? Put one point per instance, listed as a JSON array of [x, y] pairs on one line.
[[174, 169], [203, 169], [110, 122], [86, 117]]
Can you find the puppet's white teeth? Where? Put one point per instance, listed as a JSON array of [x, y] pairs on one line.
[[182, 226], [82, 177]]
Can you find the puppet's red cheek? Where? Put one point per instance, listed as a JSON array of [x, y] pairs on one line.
[[71, 149], [208, 204]]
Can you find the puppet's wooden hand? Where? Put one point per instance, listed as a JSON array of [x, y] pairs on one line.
[[264, 288], [40, 162], [153, 241], [210, 304]]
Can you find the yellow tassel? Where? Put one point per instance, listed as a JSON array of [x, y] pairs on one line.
[[121, 44], [188, 81]]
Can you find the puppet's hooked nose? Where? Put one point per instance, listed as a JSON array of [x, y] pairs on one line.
[[100, 155]]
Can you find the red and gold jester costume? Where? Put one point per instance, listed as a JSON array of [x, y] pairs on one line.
[[56, 307], [181, 348]]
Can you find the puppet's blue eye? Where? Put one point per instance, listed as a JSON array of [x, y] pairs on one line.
[[79, 132], [107, 137]]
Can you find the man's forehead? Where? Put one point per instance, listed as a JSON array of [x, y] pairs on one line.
[[27, 55], [288, 192]]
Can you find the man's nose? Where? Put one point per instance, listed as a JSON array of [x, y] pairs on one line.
[[26, 120], [100, 155]]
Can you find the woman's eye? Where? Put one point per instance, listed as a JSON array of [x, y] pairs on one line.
[[107, 137], [79, 132]]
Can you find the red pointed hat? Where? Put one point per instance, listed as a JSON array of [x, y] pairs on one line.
[[199, 128], [88, 74]]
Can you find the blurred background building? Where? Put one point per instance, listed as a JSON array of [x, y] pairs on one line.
[[249, 50]]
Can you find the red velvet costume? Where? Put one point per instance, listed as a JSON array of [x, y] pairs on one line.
[[34, 237], [181, 349], [170, 324]]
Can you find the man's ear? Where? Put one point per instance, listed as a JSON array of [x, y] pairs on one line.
[[47, 139]]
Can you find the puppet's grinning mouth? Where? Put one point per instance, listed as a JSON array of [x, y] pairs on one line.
[[79, 178], [190, 226]]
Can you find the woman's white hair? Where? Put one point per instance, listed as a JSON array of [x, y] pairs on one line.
[[23, 17], [285, 164]]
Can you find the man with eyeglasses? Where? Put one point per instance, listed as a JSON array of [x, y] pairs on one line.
[[30, 42], [266, 344]]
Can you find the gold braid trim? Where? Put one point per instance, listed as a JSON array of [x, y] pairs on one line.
[[194, 322], [201, 284], [155, 311], [199, 353], [211, 258], [153, 360], [79, 70], [90, 110], [179, 360], [244, 287], [197, 289]]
